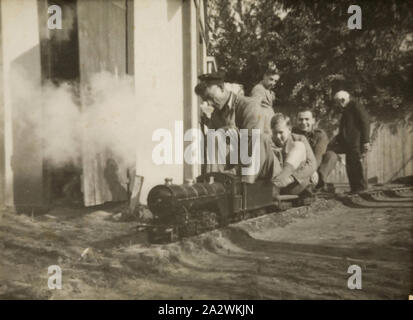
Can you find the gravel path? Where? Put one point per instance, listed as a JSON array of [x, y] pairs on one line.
[[297, 254]]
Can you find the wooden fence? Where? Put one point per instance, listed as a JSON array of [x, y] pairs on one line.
[[391, 157]]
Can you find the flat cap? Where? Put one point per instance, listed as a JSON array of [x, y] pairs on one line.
[[215, 77]]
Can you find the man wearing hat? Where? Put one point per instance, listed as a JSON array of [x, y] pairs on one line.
[[234, 112]]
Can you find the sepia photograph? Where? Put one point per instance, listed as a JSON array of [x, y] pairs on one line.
[[206, 150]]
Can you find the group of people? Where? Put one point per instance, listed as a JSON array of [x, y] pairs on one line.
[[295, 158]]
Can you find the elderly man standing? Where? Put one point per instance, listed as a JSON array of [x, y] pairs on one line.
[[353, 139], [263, 91], [295, 156], [318, 140], [233, 112]]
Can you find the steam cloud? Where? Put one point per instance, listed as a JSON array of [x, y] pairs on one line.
[[104, 122]]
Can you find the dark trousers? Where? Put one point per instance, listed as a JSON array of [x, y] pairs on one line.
[[354, 166], [355, 170]]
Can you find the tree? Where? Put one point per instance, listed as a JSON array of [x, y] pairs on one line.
[[317, 53]]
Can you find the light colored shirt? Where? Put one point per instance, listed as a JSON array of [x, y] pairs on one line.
[[307, 166]]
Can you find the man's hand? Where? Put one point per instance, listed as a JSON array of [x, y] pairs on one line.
[[284, 178], [204, 119], [282, 181], [206, 110], [366, 147], [314, 178]]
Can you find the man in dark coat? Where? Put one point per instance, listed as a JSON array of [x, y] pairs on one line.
[[353, 139]]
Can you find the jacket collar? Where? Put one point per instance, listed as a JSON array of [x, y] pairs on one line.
[[230, 103]]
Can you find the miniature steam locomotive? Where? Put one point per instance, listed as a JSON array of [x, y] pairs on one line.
[[216, 199]]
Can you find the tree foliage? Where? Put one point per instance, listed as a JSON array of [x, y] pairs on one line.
[[317, 53]]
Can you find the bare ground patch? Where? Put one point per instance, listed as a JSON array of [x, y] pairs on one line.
[[296, 254]]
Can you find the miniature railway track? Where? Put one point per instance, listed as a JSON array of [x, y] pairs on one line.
[[391, 197], [201, 221]]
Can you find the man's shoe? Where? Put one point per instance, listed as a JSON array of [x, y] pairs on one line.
[[320, 185], [357, 191], [306, 197]]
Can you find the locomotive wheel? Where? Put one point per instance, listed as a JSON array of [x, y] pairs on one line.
[[192, 223]]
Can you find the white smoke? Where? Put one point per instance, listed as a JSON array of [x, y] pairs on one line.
[[60, 129], [109, 116], [103, 122]]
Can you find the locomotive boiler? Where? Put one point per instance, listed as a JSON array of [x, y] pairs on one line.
[[214, 200]]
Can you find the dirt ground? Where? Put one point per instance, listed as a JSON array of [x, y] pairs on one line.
[[296, 254]]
